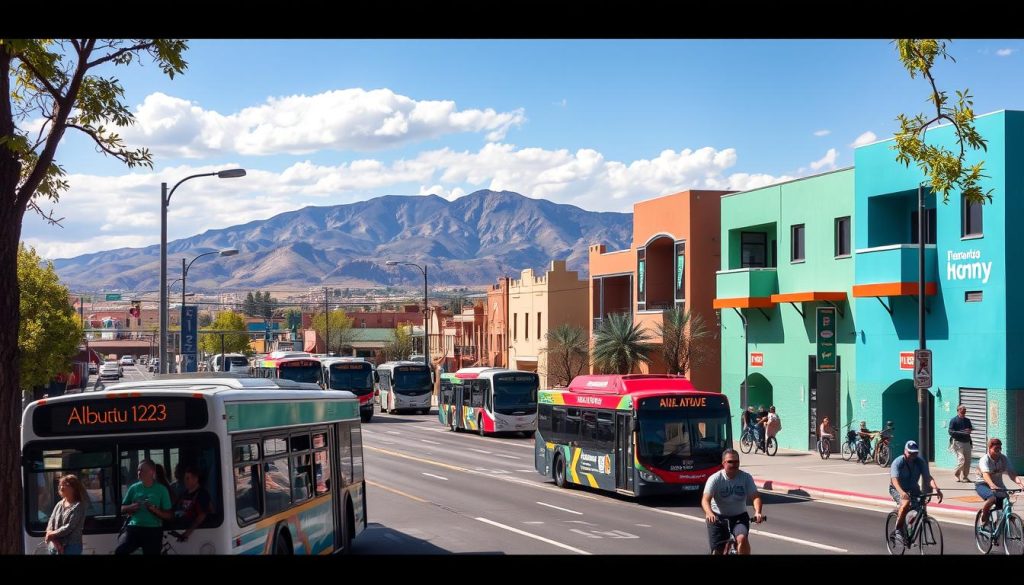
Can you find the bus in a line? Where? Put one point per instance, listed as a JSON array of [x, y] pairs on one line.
[[297, 369], [490, 400], [282, 461], [352, 374], [404, 385], [634, 434]]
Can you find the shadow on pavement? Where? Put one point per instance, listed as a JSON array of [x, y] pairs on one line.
[[379, 539]]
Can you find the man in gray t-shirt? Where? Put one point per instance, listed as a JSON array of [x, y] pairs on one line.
[[725, 505], [990, 485]]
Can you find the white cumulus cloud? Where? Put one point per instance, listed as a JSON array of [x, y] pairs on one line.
[[827, 162], [865, 138], [822, 132], [1005, 52], [348, 119]]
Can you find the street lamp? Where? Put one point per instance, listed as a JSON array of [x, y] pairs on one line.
[[165, 200], [184, 275], [426, 309]]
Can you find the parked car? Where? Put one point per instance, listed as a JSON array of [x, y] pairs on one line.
[[110, 369], [127, 360]]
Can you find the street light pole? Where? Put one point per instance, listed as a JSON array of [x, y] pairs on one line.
[[165, 201], [426, 309], [184, 274], [923, 436]]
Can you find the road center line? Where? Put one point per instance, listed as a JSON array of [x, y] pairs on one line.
[[435, 476], [534, 536], [506, 456], [429, 441], [480, 451], [560, 508]]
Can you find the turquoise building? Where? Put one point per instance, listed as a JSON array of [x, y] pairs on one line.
[[973, 317], [787, 271]]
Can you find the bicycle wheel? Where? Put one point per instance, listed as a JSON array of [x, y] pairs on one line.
[[746, 443], [982, 534], [882, 455], [893, 544], [771, 446], [847, 451], [1013, 540], [930, 538], [826, 448]]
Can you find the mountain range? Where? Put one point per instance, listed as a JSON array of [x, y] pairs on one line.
[[472, 240]]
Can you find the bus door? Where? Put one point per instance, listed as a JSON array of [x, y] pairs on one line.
[[623, 451]]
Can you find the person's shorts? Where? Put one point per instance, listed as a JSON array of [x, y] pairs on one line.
[[986, 492], [913, 494], [718, 533]]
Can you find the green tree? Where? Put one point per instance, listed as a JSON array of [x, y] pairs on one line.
[[205, 319], [568, 353], [51, 86], [456, 302], [50, 330], [249, 304], [946, 170], [293, 319], [685, 340], [342, 334], [233, 342], [620, 346], [401, 347]]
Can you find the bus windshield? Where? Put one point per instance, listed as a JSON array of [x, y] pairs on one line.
[[300, 373], [358, 381], [412, 382], [677, 438], [107, 468], [515, 394]]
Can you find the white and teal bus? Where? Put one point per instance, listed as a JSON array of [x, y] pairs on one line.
[[281, 460], [489, 400], [404, 385]]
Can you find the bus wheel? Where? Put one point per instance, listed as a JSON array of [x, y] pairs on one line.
[[282, 543], [348, 530], [366, 416], [559, 471]]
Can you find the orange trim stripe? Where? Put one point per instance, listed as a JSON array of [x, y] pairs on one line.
[[804, 297], [743, 303], [893, 289]]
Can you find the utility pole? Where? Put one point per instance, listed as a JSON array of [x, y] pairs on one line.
[[923, 436], [327, 326]]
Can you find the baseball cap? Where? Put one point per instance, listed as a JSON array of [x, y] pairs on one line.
[[911, 447]]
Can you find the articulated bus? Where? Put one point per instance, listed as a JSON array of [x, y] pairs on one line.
[[297, 369], [354, 375], [635, 434], [490, 400], [281, 461], [404, 385]]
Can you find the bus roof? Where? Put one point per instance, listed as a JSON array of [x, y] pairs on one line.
[[629, 383], [394, 364], [271, 362], [487, 373], [286, 354], [206, 379], [470, 373]]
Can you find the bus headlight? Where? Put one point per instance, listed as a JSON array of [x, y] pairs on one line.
[[649, 477], [207, 549]]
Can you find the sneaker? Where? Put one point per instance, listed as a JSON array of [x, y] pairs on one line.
[[899, 537]]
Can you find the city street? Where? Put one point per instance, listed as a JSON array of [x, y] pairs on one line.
[[433, 491]]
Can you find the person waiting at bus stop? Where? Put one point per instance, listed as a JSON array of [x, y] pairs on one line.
[[149, 503]]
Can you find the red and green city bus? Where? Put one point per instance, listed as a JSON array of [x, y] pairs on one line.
[[634, 434], [298, 369], [352, 374], [489, 400]]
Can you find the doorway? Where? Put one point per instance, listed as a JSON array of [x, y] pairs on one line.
[[623, 451], [822, 400]]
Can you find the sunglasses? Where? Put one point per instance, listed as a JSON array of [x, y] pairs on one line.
[[732, 462]]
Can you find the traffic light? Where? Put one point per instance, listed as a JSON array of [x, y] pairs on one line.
[[136, 310]]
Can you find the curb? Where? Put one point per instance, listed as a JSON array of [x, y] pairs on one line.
[[818, 493]]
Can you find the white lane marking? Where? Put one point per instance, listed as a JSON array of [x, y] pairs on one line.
[[394, 433], [507, 456], [534, 536], [644, 525], [759, 532], [435, 476], [480, 451], [534, 522], [587, 534], [526, 470], [880, 507], [562, 509], [429, 441]]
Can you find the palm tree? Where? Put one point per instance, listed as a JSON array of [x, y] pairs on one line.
[[568, 350], [684, 340], [620, 346]]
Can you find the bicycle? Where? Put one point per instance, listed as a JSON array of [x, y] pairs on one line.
[[882, 452], [921, 529], [1002, 523], [824, 446], [730, 545], [849, 445], [748, 441]]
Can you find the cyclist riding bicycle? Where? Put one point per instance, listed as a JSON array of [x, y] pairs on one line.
[[991, 468], [725, 505], [825, 430], [907, 472]]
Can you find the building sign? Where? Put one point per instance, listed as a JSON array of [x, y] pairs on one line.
[[967, 266], [906, 360], [113, 296], [757, 360], [923, 368], [826, 335], [189, 337]]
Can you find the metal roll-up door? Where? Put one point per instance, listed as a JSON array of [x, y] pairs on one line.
[[976, 401]]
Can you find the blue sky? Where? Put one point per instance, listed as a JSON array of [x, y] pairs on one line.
[[596, 123]]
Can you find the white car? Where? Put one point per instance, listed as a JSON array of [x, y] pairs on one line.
[[127, 360], [110, 369]]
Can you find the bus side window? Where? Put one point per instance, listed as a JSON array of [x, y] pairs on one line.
[[605, 428], [544, 418], [487, 388], [478, 393], [572, 425]]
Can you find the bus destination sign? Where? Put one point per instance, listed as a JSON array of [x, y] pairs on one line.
[[299, 364], [119, 415], [680, 401], [356, 366], [410, 368]]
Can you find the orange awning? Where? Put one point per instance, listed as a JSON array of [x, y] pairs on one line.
[[893, 289], [805, 297], [743, 303]]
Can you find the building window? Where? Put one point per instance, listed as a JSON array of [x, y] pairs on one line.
[[641, 279], [680, 270], [526, 325], [753, 249], [929, 228], [538, 324], [797, 244], [842, 236], [972, 296], [971, 214], [515, 326]]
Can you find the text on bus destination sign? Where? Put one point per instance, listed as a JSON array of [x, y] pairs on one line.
[[683, 402], [410, 368], [298, 364], [121, 415], [350, 367]]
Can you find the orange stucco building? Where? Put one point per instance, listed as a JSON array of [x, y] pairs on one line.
[[672, 261]]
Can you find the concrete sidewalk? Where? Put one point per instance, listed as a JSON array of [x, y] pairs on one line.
[[804, 473]]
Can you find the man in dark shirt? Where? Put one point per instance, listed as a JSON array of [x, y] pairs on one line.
[[193, 504], [960, 443]]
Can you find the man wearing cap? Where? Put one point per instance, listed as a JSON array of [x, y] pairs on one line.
[[991, 468], [960, 442], [906, 474]]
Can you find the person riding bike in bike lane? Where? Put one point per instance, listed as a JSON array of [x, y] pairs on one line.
[[725, 505], [908, 471], [991, 468]]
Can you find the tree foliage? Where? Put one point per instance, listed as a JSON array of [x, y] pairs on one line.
[[620, 346], [685, 340], [293, 319], [401, 347], [50, 330], [568, 353], [233, 342], [946, 170], [342, 334]]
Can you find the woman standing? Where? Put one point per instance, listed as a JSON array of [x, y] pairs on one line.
[[64, 530]]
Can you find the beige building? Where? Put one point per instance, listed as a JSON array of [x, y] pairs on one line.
[[537, 304]]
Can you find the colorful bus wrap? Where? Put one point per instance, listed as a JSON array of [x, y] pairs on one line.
[[634, 434], [297, 369], [490, 400]]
